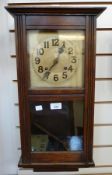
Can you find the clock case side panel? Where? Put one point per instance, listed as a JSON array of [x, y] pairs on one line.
[[22, 86], [89, 86]]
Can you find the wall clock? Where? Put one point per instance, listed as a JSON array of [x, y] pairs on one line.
[[55, 46]]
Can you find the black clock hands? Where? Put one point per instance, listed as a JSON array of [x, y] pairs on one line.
[[61, 49], [46, 74], [55, 61]]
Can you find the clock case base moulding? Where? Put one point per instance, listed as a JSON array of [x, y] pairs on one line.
[[40, 167]]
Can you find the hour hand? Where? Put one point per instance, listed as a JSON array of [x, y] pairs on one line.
[[55, 61], [46, 74]]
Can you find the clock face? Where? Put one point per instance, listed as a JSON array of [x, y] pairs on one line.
[[56, 58]]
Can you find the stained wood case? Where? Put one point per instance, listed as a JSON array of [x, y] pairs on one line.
[[56, 71]]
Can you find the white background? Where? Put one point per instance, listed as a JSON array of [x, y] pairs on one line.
[[9, 118]]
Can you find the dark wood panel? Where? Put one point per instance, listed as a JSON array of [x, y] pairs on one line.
[[60, 157], [89, 84], [55, 20], [44, 167], [57, 91], [20, 52], [53, 8], [57, 97]]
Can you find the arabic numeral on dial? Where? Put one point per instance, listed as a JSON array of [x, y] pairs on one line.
[[40, 69], [37, 60], [70, 50], [63, 44], [74, 59], [55, 42], [64, 76], [70, 68], [40, 51], [56, 78], [46, 44]]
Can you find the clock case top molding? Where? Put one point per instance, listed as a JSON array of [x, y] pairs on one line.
[[53, 16]]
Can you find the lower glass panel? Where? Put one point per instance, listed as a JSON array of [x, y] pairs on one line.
[[56, 126]]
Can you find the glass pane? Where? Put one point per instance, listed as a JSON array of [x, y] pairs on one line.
[[56, 126], [56, 58]]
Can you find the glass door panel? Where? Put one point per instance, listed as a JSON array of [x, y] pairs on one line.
[[56, 126]]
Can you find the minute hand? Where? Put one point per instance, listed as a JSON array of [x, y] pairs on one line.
[[56, 60], [46, 74]]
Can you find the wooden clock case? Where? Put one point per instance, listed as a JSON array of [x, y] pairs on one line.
[[52, 16]]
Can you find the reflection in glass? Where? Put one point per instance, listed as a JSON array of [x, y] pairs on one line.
[[56, 126]]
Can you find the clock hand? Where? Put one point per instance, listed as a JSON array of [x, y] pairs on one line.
[[61, 49], [46, 74], [56, 60]]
